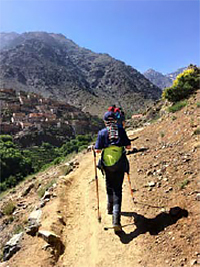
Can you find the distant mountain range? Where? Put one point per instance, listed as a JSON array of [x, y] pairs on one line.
[[54, 66], [161, 80]]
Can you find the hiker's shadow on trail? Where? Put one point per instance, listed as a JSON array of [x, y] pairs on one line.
[[154, 225]]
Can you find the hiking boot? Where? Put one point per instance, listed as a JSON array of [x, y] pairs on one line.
[[116, 223], [110, 208]]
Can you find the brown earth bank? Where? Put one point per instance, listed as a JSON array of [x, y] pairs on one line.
[[161, 225]]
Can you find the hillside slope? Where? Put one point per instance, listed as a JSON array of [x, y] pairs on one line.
[[163, 222], [52, 65], [158, 78]]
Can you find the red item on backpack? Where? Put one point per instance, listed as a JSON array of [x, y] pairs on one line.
[[111, 109]]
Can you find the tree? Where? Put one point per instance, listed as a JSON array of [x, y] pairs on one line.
[[14, 166]]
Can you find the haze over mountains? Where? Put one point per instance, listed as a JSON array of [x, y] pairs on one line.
[[161, 80], [54, 66]]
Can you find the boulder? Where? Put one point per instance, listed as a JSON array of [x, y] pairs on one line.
[[54, 240], [47, 195], [12, 246], [34, 222], [151, 184], [198, 197], [49, 237], [27, 190]]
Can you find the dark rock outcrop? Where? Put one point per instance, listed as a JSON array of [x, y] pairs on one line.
[[12, 246]]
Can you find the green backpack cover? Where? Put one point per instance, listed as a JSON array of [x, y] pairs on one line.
[[111, 155]]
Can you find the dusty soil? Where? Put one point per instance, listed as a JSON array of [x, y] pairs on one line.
[[161, 225]]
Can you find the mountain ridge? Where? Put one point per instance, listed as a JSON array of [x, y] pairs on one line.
[[55, 66], [162, 80]]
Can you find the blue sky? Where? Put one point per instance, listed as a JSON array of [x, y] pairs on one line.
[[159, 34]]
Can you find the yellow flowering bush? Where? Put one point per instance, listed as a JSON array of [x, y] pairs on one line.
[[185, 84]]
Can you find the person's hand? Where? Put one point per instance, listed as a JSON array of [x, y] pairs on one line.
[[98, 150], [128, 147]]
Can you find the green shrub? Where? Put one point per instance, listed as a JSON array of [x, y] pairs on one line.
[[58, 160], [18, 229], [43, 188], [198, 104], [184, 85], [162, 134], [81, 148], [174, 118], [184, 183], [8, 208], [5, 138], [197, 131], [177, 106]]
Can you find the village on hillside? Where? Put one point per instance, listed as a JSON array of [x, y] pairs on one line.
[[23, 114], [21, 110]]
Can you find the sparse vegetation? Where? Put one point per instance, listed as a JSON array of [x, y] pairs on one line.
[[155, 118], [177, 106], [8, 208], [44, 188], [174, 118], [192, 122], [198, 104], [162, 134], [184, 183], [197, 131], [18, 229]]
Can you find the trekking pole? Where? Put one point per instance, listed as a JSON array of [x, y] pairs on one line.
[[97, 189], [129, 181], [140, 203]]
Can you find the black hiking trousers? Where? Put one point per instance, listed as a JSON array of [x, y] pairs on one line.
[[114, 181]]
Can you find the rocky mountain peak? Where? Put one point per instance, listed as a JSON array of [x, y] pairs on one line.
[[161, 80], [53, 65]]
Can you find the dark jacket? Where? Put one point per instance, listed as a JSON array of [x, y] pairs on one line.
[[104, 142], [103, 139]]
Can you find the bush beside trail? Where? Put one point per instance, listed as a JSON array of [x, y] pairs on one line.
[[184, 85]]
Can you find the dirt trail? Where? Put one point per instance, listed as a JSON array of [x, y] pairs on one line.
[[165, 176], [87, 243]]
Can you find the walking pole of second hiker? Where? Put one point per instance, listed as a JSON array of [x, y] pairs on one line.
[[129, 181], [97, 189]]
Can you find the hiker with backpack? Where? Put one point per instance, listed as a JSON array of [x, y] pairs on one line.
[[120, 117], [111, 142]]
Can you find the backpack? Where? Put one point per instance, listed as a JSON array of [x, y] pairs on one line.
[[114, 159]]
